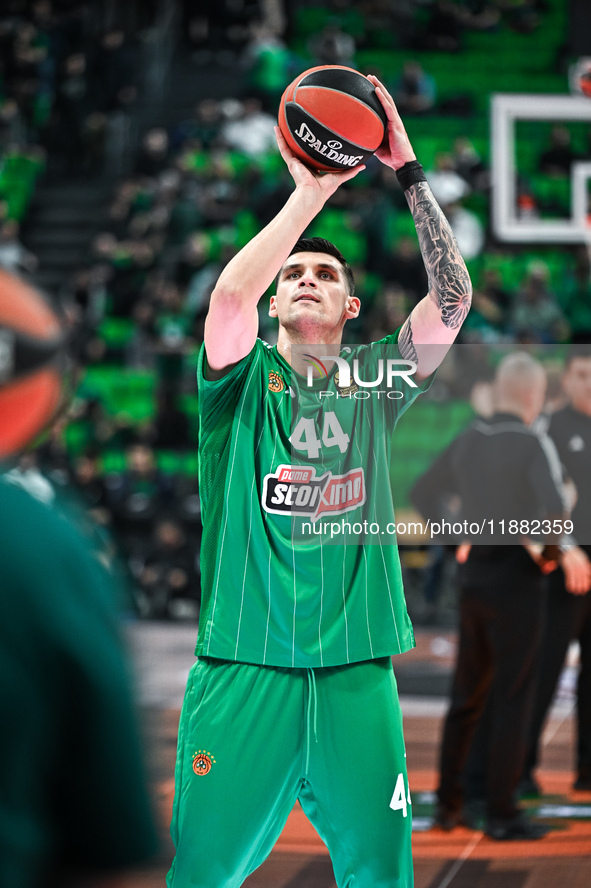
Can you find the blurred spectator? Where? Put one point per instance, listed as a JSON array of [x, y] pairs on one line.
[[87, 290], [479, 15], [78, 132], [467, 228], [185, 217], [168, 576], [203, 128], [251, 131], [535, 315], [443, 30], [14, 257], [140, 349], [404, 265], [153, 156], [524, 15], [112, 72], [137, 496], [172, 328], [204, 274], [447, 185], [389, 313], [89, 482], [576, 298], [12, 126], [171, 425], [490, 307], [332, 46], [558, 158], [467, 163], [268, 62], [415, 91]]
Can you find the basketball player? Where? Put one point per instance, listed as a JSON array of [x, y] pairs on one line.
[[293, 694]]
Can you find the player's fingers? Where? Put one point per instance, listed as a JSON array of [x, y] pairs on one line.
[[577, 581], [294, 165], [388, 107], [334, 180], [379, 87], [284, 148]]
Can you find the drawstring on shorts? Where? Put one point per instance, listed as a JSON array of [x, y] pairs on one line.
[[312, 701]]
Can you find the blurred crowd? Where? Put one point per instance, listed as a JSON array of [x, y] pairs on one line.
[[198, 190]]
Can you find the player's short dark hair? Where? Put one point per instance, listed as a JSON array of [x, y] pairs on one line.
[[321, 245], [578, 350]]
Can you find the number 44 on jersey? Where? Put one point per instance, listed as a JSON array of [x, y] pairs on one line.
[[305, 440]]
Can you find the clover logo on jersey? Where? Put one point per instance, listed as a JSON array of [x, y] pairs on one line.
[[202, 763], [295, 490], [276, 383]]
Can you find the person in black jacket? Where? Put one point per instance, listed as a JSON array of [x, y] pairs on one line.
[[569, 608], [502, 470]]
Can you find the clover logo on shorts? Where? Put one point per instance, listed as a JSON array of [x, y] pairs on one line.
[[202, 763]]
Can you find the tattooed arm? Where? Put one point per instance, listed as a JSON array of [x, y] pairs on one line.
[[435, 321]]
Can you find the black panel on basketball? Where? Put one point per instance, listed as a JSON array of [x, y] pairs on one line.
[[349, 82], [303, 127]]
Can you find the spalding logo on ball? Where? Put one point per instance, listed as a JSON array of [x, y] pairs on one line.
[[331, 118], [31, 352]]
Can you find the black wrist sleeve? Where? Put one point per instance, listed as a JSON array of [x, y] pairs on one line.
[[409, 174]]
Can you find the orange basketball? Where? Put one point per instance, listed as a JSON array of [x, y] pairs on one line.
[[31, 343], [331, 118]]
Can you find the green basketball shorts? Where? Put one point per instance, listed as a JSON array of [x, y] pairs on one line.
[[253, 739]]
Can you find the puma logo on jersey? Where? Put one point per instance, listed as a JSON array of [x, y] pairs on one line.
[[295, 490]]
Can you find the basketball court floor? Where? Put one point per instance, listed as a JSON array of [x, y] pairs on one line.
[[460, 859]]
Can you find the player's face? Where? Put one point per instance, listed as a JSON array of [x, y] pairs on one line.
[[577, 384], [312, 293]]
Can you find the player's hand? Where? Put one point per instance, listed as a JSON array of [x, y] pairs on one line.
[[396, 149], [577, 571], [324, 184]]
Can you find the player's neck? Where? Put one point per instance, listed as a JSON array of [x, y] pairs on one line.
[[292, 345]]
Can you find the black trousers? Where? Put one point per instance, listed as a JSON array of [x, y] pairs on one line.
[[568, 618], [501, 615]]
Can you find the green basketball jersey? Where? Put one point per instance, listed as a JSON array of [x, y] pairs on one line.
[[282, 459]]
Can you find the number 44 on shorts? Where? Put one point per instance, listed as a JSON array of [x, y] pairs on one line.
[[401, 797]]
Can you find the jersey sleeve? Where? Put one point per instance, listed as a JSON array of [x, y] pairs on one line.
[[218, 397], [407, 387]]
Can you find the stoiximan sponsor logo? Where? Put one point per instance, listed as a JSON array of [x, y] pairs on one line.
[[295, 490]]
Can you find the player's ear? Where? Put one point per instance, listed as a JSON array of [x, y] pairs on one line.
[[353, 307], [273, 307]]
